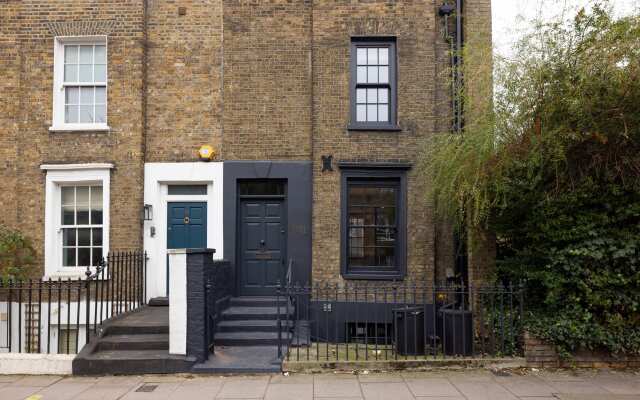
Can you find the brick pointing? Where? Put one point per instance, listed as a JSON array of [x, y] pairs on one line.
[[257, 80]]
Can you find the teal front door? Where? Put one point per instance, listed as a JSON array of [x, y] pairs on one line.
[[186, 227]]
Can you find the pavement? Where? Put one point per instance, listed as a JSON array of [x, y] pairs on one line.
[[429, 385]]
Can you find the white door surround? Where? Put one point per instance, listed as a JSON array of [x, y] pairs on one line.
[[157, 177]]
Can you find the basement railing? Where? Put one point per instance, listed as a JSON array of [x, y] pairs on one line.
[[355, 321], [60, 316]]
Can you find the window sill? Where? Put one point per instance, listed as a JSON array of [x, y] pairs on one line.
[[73, 275], [80, 128], [373, 276], [390, 128]]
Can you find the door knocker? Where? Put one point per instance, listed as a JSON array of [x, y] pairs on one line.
[[186, 220]]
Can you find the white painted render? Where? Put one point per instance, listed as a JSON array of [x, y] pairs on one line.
[[178, 302], [67, 174], [36, 364], [157, 177]]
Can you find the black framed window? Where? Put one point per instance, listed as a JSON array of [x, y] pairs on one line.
[[373, 84], [373, 224]]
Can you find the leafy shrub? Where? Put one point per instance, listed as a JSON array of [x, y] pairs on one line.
[[553, 168], [17, 256]]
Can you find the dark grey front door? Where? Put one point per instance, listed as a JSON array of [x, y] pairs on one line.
[[262, 240]]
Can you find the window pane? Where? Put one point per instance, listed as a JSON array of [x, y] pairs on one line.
[[372, 196], [86, 95], [69, 237], [188, 190], [69, 257], [71, 73], [372, 56], [67, 341], [68, 215], [383, 112], [101, 95], [71, 114], [361, 113], [372, 96], [82, 214], [68, 195], [362, 75], [384, 74], [82, 194], [262, 188], [70, 54], [361, 95], [100, 73], [100, 55], [96, 256], [372, 74], [96, 197], [101, 114], [97, 236], [71, 95], [383, 95], [86, 73], [362, 56], [383, 56], [86, 114], [372, 209], [84, 257], [86, 54], [372, 112], [84, 237]]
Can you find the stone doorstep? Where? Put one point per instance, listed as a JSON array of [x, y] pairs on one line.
[[394, 365]]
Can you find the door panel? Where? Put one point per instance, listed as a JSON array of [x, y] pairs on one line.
[[186, 227], [262, 245]]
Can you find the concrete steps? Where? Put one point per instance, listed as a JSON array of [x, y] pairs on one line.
[[136, 343], [253, 321]]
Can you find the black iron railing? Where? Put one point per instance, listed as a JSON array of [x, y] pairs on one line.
[[355, 321], [60, 316]]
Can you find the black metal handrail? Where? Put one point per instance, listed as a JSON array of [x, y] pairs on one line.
[[383, 321], [37, 311]]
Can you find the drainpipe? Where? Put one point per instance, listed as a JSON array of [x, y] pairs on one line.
[[455, 47]]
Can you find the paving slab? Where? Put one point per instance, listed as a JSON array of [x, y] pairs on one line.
[[385, 391], [243, 389], [37, 380], [337, 388], [597, 397], [526, 386], [18, 392], [483, 391], [103, 392], [583, 388], [380, 378], [292, 378], [289, 391], [64, 390], [9, 378], [432, 387], [162, 391]]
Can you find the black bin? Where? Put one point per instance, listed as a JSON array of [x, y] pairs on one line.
[[409, 330], [457, 332]]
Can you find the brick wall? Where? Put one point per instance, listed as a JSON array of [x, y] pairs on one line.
[[184, 61], [26, 60], [540, 354], [257, 80]]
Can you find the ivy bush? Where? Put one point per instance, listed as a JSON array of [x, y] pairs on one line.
[[552, 166], [17, 256]]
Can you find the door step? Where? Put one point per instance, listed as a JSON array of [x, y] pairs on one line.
[[159, 302], [250, 338]]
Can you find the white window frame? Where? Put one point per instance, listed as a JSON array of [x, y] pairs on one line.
[[58, 117], [58, 176]]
